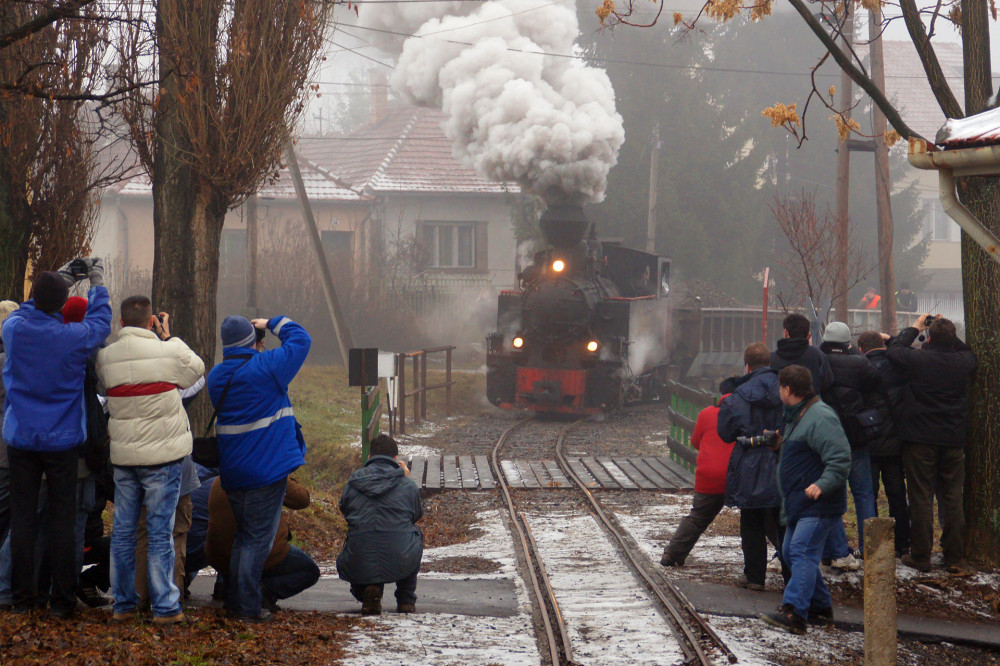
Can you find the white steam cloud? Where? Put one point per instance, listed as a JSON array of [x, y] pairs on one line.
[[546, 122]]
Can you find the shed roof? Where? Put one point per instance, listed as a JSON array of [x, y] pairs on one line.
[[982, 129]]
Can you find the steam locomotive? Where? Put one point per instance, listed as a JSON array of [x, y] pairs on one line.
[[587, 331]]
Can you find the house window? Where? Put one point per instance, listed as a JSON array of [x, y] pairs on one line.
[[450, 244], [233, 254], [937, 225]]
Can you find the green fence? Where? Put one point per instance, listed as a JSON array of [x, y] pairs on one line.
[[685, 404]]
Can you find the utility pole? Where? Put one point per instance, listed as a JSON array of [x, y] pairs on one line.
[[251, 215], [340, 328], [883, 182], [842, 212], [654, 170]]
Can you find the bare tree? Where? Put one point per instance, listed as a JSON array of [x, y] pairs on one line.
[[811, 269], [234, 75], [981, 195], [49, 177]]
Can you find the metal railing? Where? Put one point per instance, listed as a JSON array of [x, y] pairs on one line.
[[419, 388]]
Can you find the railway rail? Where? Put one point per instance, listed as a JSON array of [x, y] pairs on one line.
[[696, 638]]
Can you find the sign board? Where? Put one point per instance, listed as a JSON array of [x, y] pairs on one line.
[[362, 358]]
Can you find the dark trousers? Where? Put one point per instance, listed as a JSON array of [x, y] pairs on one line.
[[890, 470], [931, 470], [757, 527], [704, 509], [406, 589], [293, 574], [26, 469]]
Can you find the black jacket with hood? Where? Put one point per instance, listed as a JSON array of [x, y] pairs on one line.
[[853, 379], [382, 507], [798, 351], [935, 403]]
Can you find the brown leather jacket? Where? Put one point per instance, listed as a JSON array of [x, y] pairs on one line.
[[222, 526]]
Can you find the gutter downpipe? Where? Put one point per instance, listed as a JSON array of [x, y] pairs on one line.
[[950, 165]]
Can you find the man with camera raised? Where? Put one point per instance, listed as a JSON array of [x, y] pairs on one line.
[[150, 437], [752, 409], [44, 426], [931, 430]]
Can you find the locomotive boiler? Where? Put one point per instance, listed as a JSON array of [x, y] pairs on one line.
[[587, 329]]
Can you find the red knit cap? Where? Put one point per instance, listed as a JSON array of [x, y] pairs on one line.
[[74, 310]]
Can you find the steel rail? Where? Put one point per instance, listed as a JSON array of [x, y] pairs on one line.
[[534, 562], [693, 650]]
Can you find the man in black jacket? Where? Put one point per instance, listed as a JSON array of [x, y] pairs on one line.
[[853, 376], [751, 480], [886, 455], [932, 432], [795, 349]]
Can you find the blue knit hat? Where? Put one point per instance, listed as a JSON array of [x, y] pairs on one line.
[[237, 332]]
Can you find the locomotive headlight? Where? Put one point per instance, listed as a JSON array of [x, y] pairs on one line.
[[518, 342], [558, 265], [592, 346]]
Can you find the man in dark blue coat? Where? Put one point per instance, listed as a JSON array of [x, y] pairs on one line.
[[751, 483], [384, 544]]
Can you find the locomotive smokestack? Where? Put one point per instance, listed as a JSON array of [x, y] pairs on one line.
[[563, 225]]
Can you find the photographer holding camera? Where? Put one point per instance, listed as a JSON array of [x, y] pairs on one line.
[[753, 408], [150, 437], [931, 431], [43, 423]]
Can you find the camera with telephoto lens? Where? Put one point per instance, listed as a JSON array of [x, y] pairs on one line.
[[768, 438]]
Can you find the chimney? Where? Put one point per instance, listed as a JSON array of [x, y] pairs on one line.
[[378, 82], [563, 225]]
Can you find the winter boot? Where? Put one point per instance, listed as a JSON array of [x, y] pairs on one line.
[[785, 618]]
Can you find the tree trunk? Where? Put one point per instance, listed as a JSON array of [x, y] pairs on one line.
[[187, 228], [981, 284], [15, 233]]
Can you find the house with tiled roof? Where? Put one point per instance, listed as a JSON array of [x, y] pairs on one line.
[[388, 184]]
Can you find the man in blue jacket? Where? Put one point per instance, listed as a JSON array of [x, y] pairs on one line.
[[45, 424], [812, 474], [384, 544], [260, 444], [751, 485]]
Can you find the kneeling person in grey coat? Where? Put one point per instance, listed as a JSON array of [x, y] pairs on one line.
[[384, 544]]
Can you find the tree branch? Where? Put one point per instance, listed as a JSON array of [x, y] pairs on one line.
[[866, 84], [928, 58], [41, 22]]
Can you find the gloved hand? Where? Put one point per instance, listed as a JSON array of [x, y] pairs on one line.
[[95, 271], [66, 274]]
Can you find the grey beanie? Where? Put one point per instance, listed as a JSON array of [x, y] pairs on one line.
[[837, 331]]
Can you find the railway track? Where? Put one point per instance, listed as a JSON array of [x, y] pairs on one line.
[[695, 637]]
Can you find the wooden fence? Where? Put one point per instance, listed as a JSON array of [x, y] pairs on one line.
[[418, 390], [685, 404]]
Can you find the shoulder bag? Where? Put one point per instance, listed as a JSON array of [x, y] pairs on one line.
[[205, 450]]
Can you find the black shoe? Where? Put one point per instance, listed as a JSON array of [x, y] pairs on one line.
[[269, 604], [786, 619], [89, 595], [406, 608], [371, 600], [820, 616], [908, 560], [265, 616], [62, 612], [669, 561], [745, 583]]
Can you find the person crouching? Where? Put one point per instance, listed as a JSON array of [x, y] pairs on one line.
[[384, 544], [812, 475]]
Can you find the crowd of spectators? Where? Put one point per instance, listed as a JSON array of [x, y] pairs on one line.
[[804, 424], [91, 418]]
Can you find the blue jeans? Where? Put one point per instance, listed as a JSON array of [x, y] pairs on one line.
[[157, 489], [257, 512], [805, 540], [860, 481], [290, 576]]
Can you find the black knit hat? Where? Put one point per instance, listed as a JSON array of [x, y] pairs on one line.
[[49, 291]]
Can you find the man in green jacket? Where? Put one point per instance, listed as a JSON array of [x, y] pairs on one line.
[[812, 473]]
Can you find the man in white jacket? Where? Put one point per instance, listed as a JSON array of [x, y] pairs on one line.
[[150, 436]]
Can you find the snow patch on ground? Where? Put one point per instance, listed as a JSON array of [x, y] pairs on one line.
[[416, 450], [444, 640], [754, 640], [608, 614]]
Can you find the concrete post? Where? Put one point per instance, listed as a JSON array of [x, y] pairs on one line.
[[880, 592]]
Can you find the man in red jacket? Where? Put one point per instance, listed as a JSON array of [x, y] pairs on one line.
[[709, 484]]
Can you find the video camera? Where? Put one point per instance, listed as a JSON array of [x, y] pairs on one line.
[[768, 438]]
